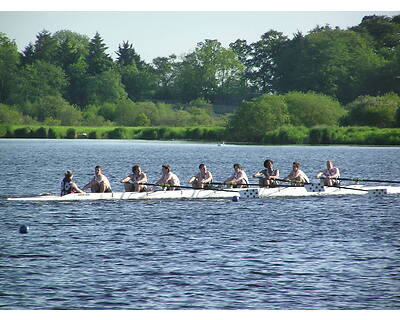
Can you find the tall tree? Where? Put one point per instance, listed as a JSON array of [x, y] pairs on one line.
[[263, 62], [127, 55], [46, 47], [165, 70], [334, 62], [207, 71], [98, 60], [9, 59], [384, 32]]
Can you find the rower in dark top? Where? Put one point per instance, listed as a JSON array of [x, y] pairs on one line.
[[68, 186], [267, 175]]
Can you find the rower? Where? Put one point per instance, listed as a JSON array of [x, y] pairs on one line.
[[267, 175], [169, 178], [99, 182], [330, 175], [68, 186], [297, 177], [239, 177], [133, 182], [204, 177]]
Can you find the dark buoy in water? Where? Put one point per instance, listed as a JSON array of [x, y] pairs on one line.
[[235, 198], [23, 229]]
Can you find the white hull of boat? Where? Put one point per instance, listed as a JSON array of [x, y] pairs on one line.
[[152, 195], [318, 190], [249, 193]]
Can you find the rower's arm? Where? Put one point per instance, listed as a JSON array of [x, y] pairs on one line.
[[124, 180], [257, 174]]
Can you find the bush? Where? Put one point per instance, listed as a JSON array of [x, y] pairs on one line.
[[52, 134], [93, 135], [24, 132], [40, 133], [149, 134], [287, 135], [71, 133], [117, 133]]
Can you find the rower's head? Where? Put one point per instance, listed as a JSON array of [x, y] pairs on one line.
[[329, 164], [98, 170], [268, 163], [237, 167], [68, 175], [166, 168], [136, 169], [296, 166], [202, 167]]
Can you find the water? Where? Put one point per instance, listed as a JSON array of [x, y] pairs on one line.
[[304, 253]]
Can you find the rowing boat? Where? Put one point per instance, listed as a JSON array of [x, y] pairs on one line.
[[151, 195], [318, 190], [247, 193]]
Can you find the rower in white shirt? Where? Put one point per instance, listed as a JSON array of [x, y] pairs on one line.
[[239, 177], [169, 178]]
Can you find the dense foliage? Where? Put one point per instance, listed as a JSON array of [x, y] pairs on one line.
[[328, 77]]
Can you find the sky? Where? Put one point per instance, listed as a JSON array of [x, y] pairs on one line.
[[159, 31]]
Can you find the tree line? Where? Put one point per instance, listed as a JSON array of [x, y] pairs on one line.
[[329, 76]]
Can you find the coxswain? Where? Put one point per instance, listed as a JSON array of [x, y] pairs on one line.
[[168, 178], [68, 186], [267, 176], [239, 177], [297, 177], [330, 175], [201, 179], [134, 182], [99, 182]]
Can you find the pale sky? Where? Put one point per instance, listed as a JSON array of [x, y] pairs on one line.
[[162, 33]]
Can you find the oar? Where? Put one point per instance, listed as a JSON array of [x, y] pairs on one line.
[[308, 183], [164, 185], [234, 184], [365, 180]]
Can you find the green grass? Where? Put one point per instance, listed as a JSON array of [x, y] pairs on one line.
[[283, 135]]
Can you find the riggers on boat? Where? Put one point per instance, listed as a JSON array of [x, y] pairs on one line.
[[245, 193]]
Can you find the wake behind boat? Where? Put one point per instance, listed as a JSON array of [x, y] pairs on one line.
[[312, 189]]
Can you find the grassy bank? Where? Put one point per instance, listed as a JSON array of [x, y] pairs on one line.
[[283, 135], [148, 133]]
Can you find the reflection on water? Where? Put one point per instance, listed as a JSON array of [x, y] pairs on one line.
[[304, 253]]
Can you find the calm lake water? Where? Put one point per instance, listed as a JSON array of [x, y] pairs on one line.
[[304, 253]]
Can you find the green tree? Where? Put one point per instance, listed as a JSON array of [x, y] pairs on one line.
[[104, 87], [127, 56], [373, 111], [98, 60], [142, 120], [312, 109], [37, 80], [165, 71], [207, 71], [139, 84], [263, 60], [383, 31], [253, 118], [333, 62], [74, 49], [10, 115], [9, 59], [46, 47]]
